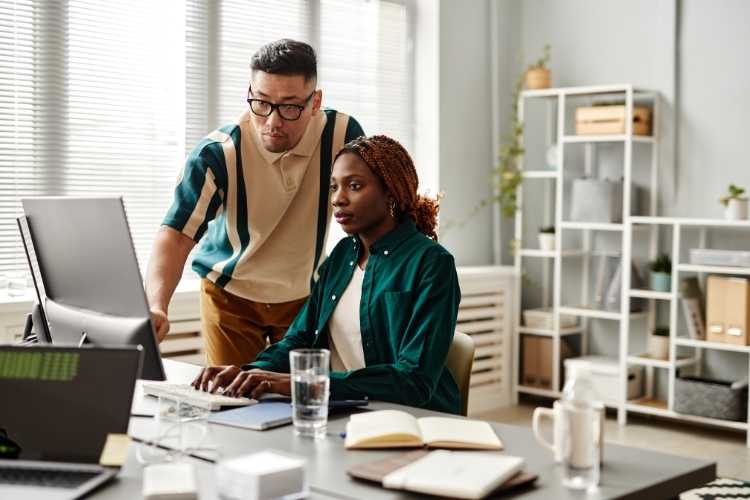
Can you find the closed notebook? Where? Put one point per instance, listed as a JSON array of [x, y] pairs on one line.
[[454, 474], [398, 429], [258, 417]]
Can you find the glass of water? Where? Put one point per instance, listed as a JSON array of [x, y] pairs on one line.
[[309, 372]]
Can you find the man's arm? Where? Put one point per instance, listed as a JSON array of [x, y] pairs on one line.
[[168, 256]]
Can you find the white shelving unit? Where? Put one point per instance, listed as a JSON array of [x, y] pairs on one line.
[[665, 409], [557, 100]]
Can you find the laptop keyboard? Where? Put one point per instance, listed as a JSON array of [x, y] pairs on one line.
[[44, 477]]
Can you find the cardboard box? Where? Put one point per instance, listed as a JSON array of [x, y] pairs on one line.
[[728, 310], [536, 370], [595, 120]]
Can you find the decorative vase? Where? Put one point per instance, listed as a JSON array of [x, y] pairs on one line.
[[661, 282], [658, 346], [538, 78], [547, 241], [736, 209]]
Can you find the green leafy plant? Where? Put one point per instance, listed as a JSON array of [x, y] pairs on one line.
[[547, 230], [662, 264], [735, 193], [507, 174], [661, 331], [541, 63]]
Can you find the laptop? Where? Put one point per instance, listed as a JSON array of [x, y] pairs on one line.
[[59, 404]]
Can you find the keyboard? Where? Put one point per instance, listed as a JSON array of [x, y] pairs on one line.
[[187, 394], [54, 478]]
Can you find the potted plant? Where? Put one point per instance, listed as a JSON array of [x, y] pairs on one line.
[[658, 343], [735, 205], [661, 273], [537, 74], [547, 238]]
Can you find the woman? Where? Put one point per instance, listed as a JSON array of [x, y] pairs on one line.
[[386, 300]]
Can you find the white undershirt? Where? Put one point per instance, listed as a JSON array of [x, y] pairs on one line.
[[345, 335]]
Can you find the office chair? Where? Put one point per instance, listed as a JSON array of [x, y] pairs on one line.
[[459, 362]]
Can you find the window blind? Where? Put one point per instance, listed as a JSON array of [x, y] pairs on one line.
[[107, 98]]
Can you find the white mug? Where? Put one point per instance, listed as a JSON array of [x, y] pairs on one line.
[[558, 429]]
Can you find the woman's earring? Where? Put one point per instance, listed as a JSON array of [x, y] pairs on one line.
[[393, 210]]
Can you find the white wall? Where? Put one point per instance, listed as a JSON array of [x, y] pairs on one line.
[[465, 127]]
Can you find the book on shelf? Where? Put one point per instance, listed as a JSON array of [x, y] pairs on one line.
[[691, 298], [398, 429]]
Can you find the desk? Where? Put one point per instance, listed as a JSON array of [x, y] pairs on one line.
[[626, 473]]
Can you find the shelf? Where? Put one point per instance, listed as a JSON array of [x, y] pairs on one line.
[[537, 391], [590, 312], [684, 221], [533, 252], [693, 268], [540, 174], [659, 408], [711, 345], [570, 139], [651, 294], [589, 89], [598, 226], [574, 330], [645, 360]]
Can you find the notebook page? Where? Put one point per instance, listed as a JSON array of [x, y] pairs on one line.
[[458, 433], [382, 427]]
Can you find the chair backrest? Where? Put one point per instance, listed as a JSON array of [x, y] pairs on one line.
[[459, 362]]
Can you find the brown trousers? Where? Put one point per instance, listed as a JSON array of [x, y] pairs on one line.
[[236, 330]]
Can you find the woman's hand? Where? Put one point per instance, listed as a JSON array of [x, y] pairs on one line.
[[237, 383], [253, 383]]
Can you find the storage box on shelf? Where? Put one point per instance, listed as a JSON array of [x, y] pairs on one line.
[[537, 366], [605, 376], [711, 398], [728, 310], [611, 120]]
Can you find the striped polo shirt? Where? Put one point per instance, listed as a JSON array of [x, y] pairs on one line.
[[263, 217]]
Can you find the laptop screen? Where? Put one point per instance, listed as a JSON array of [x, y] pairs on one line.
[[60, 403]]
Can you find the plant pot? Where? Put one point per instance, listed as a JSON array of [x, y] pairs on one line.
[[547, 241], [658, 346], [736, 209], [538, 78], [661, 282]]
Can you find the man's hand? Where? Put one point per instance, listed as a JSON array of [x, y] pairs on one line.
[[161, 323]]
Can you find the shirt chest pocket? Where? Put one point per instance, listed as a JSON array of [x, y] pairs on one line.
[[397, 310]]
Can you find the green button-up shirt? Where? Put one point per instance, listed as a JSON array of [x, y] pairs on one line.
[[407, 317]]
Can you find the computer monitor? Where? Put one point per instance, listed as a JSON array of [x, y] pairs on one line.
[[93, 290]]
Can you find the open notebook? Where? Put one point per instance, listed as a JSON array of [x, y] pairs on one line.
[[398, 429]]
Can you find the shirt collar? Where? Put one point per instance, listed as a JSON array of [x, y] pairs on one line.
[[305, 147], [391, 240]]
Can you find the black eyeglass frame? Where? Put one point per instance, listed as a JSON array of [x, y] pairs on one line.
[[277, 107]]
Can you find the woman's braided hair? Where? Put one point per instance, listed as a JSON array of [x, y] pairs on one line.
[[390, 162]]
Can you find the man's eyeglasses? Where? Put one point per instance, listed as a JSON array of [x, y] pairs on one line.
[[288, 112]]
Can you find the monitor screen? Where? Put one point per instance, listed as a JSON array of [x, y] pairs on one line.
[[92, 282], [60, 403]]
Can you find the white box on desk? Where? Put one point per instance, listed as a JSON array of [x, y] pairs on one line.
[[605, 377]]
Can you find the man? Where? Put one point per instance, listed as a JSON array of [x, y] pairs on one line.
[[263, 181]]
